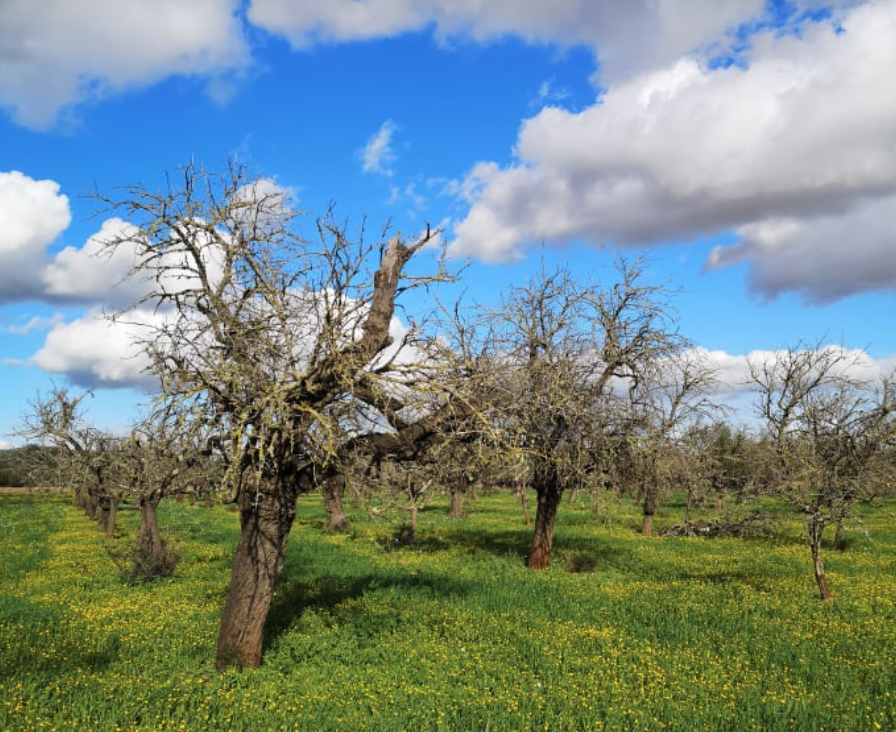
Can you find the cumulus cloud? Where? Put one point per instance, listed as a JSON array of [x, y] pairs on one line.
[[628, 35], [804, 131], [33, 213], [35, 323], [66, 53], [94, 352], [90, 274], [824, 258], [378, 155], [737, 394]]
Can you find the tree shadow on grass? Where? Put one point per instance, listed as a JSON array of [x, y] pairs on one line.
[[326, 593]]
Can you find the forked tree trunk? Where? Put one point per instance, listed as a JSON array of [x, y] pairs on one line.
[[265, 521], [149, 537], [334, 494], [111, 518], [816, 527], [649, 508], [542, 542]]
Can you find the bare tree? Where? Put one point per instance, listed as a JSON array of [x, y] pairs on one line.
[[670, 396], [80, 457], [829, 435], [566, 346], [269, 337]]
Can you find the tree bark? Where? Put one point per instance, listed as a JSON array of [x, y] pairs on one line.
[[111, 518], [542, 542], [816, 527], [90, 505], [334, 495], [839, 539], [265, 521], [104, 503], [649, 509], [719, 500], [149, 537], [524, 502]]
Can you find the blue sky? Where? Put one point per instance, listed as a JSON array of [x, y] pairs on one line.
[[748, 147]]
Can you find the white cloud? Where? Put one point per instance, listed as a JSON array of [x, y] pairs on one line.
[[378, 155], [823, 257], [36, 323], [90, 274], [32, 214], [737, 394], [94, 352], [68, 52], [806, 131], [628, 35]]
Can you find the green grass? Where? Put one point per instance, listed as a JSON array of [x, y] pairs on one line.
[[451, 634]]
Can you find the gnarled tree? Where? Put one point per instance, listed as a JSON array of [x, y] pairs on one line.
[[271, 338], [829, 433], [567, 344]]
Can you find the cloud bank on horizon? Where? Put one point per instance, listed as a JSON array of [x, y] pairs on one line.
[[774, 121]]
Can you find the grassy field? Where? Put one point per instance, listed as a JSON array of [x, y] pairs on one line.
[[451, 634]]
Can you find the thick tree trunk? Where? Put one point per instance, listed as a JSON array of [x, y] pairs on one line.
[[649, 508], [111, 518], [149, 537], [334, 495], [542, 542], [816, 527], [265, 521]]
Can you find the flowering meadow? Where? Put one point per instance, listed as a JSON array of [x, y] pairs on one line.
[[452, 633]]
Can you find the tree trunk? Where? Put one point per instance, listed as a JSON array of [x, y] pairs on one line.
[[542, 542], [719, 500], [90, 505], [457, 504], [649, 509], [458, 491], [149, 537], [816, 527], [412, 532], [111, 518], [265, 521], [524, 501], [334, 494], [839, 539], [103, 508]]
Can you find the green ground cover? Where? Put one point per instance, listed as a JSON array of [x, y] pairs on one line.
[[452, 634]]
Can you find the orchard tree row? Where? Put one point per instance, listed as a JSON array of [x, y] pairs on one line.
[[283, 369]]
